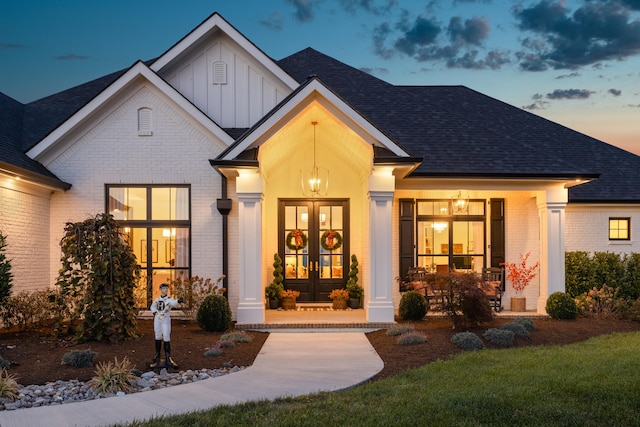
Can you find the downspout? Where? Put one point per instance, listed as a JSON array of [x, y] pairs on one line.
[[224, 207]]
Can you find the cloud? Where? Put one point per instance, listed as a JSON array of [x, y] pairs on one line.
[[380, 34], [568, 76], [375, 70], [600, 30], [422, 33], [473, 31], [569, 94], [371, 6], [274, 21], [4, 45], [303, 9], [615, 92], [71, 57]]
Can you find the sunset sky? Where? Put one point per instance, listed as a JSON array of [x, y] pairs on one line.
[[576, 62]]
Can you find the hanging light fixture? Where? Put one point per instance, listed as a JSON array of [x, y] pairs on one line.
[[460, 204], [315, 182], [439, 227]]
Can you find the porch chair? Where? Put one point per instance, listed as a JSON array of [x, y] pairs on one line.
[[493, 286]]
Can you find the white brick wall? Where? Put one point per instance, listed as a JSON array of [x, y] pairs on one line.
[[111, 151], [24, 220], [588, 228]]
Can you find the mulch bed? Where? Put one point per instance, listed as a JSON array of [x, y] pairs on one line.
[[36, 356]]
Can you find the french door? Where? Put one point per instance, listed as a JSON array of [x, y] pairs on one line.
[[314, 246]]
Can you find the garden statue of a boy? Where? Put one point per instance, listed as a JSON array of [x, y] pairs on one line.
[[161, 307]]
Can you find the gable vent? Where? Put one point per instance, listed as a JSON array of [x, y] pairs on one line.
[[144, 122], [219, 73]]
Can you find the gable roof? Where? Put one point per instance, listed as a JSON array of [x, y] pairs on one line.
[[137, 70], [462, 133]]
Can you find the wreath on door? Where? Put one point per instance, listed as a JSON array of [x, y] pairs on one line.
[[331, 240], [296, 240]]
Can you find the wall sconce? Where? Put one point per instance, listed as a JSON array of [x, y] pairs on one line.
[[315, 182]]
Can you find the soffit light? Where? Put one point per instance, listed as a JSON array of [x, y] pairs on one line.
[[315, 182]]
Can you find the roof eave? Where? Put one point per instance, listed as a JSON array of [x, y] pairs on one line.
[[33, 177]]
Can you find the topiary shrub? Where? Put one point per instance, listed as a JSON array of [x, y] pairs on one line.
[[79, 358], [518, 329], [413, 306], [214, 315], [499, 337], [526, 322], [396, 330], [561, 306], [411, 338], [468, 341]]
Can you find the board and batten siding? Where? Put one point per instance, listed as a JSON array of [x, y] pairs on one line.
[[228, 86]]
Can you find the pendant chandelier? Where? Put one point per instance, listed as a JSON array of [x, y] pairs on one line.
[[460, 205], [315, 182]]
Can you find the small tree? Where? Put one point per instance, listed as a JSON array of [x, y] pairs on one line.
[[6, 277], [354, 289], [100, 271], [275, 288]]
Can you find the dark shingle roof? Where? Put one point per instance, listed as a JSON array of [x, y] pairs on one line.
[[460, 132]]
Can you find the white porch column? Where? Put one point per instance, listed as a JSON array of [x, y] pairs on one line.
[[551, 208], [249, 190], [379, 303]]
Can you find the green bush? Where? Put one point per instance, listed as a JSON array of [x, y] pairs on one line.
[[193, 291], [214, 315], [114, 377], [526, 322], [467, 341], [583, 272], [213, 352], [79, 358], [6, 277], [411, 338], [400, 329], [26, 310], [499, 337], [413, 306], [517, 329], [561, 306], [4, 364]]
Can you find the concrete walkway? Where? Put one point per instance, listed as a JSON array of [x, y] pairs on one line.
[[289, 364]]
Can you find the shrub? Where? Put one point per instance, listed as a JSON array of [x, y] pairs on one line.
[[399, 330], [411, 338], [8, 385], [603, 302], [517, 329], [225, 344], [4, 363], [113, 377], [100, 268], [467, 341], [353, 287], [632, 312], [461, 299], [26, 310], [214, 314], [213, 352], [561, 306], [413, 306], [526, 322], [499, 337], [193, 292], [6, 277], [79, 358], [236, 337]]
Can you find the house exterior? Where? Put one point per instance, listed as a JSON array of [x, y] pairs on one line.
[[204, 155]]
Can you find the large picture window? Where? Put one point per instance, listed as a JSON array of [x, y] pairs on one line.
[[449, 238], [157, 222]]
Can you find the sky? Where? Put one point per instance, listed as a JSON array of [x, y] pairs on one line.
[[575, 62]]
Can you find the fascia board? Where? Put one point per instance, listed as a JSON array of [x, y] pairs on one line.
[[315, 90], [208, 26], [137, 70]]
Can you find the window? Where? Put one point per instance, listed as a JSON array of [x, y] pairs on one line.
[[619, 228], [157, 222], [447, 239]]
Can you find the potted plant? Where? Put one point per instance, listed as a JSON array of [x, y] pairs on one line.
[[521, 276], [339, 298], [274, 290], [289, 299], [353, 288]]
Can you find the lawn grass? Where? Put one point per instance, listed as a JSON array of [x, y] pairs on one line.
[[593, 383]]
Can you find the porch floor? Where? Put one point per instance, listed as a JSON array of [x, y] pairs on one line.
[[322, 316]]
